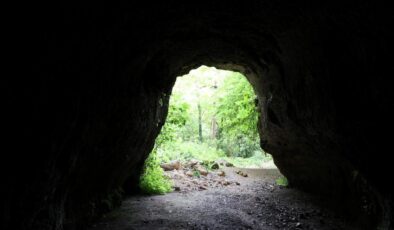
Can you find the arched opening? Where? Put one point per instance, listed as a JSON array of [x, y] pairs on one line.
[[201, 191], [211, 126]]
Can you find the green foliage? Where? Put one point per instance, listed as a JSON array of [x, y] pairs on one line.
[[176, 118], [282, 181], [152, 180], [228, 117], [222, 104], [237, 117], [187, 150]]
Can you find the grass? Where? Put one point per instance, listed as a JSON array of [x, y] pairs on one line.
[[254, 161], [185, 151]]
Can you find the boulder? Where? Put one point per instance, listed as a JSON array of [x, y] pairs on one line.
[[189, 173], [221, 173], [201, 170], [171, 165], [191, 163]]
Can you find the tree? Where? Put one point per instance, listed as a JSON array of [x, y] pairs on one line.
[[238, 116], [199, 123]]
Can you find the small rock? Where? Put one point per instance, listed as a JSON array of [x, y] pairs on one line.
[[192, 163], [189, 173], [171, 165], [202, 188], [239, 172], [221, 173], [237, 183], [228, 164], [177, 188], [298, 225], [202, 170]]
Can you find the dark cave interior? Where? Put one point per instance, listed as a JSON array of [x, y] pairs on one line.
[[86, 113]]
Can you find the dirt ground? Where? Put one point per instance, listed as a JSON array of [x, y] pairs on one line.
[[256, 203]]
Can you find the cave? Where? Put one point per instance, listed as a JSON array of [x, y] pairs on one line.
[[83, 104]]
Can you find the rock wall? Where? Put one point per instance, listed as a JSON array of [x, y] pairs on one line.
[[92, 87]]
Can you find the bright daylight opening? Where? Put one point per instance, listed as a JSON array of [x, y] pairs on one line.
[[210, 137]]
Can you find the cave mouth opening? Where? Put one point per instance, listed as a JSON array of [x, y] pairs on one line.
[[210, 133], [206, 185]]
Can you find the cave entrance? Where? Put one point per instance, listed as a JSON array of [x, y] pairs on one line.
[[210, 133], [221, 177]]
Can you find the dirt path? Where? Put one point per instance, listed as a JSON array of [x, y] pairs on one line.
[[257, 203]]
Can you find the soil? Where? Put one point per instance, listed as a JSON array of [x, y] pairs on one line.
[[254, 202]]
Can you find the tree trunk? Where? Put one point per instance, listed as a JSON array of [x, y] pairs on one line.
[[199, 123], [214, 128]]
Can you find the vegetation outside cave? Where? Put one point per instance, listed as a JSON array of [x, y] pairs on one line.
[[212, 117]]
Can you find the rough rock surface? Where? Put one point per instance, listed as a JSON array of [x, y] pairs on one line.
[[90, 91]]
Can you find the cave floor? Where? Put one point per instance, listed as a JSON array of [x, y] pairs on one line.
[[257, 203]]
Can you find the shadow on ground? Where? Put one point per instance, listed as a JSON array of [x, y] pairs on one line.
[[257, 203]]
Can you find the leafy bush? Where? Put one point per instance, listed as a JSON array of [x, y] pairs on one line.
[[152, 180], [241, 146], [186, 150], [282, 181], [237, 115]]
